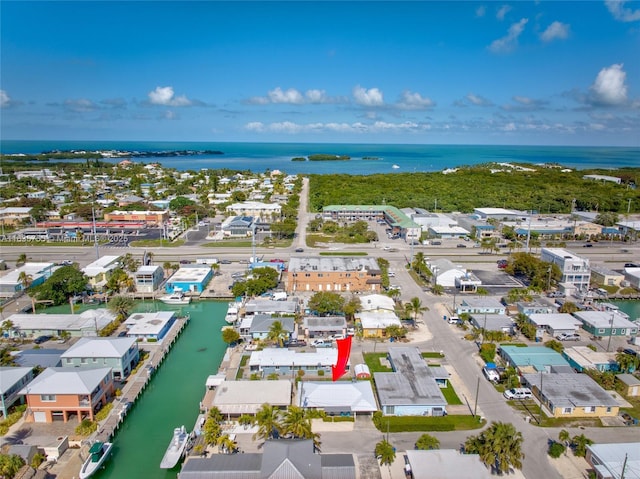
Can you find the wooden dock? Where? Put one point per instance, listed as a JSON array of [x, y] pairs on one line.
[[137, 383]]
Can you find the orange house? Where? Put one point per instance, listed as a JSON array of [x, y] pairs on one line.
[[60, 393]]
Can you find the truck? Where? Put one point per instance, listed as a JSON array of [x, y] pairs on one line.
[[207, 261]]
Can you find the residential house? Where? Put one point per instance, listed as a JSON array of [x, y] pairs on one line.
[[555, 324], [480, 305], [271, 307], [569, 395], [190, 277], [100, 270], [493, 322], [607, 323], [444, 464], [334, 273], [322, 326], [374, 324], [148, 278], [630, 384], [616, 460], [262, 324], [413, 388], [603, 276], [12, 380], [534, 307], [581, 358], [291, 458], [532, 359], [120, 354], [234, 398], [575, 270], [38, 273], [343, 398], [150, 327], [87, 323], [60, 393], [14, 215], [287, 362]]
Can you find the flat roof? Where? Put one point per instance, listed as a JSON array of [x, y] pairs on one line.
[[270, 306], [271, 357], [190, 274], [354, 396], [246, 397], [324, 264], [446, 464], [555, 320], [148, 323], [538, 357], [377, 319], [587, 358], [605, 319], [570, 390], [69, 322]]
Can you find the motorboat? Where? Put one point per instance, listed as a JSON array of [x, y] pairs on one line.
[[232, 313], [177, 297], [395, 167], [176, 448], [98, 454]]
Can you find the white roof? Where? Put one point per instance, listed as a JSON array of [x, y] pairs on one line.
[[254, 205], [67, 381], [269, 357], [437, 229], [101, 265], [356, 396], [87, 320], [215, 380], [446, 464], [99, 348], [35, 270], [148, 269], [555, 320], [588, 358], [146, 324], [246, 397], [190, 274], [605, 319], [377, 319], [617, 457], [371, 302], [496, 211], [10, 375]]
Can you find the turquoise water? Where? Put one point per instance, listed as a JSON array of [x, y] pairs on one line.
[[259, 157], [632, 308], [173, 396]]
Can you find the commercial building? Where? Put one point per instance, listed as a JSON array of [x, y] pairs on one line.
[[333, 273], [192, 278], [606, 277], [399, 222], [264, 211], [147, 217], [576, 272]]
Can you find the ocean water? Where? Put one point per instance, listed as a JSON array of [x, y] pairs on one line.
[[259, 157]]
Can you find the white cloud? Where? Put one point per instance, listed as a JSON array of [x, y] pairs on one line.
[[481, 10], [4, 99], [82, 105], [609, 86], [555, 31], [165, 96], [414, 101], [502, 12], [370, 97], [510, 40], [622, 13], [291, 95], [478, 100], [316, 96], [257, 126], [356, 127]]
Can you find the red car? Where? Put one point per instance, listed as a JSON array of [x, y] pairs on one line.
[[502, 263]]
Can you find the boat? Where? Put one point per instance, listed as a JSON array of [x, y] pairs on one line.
[[395, 167], [177, 297], [232, 313], [98, 454], [176, 448]]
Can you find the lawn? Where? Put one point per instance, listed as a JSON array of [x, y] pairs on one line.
[[156, 243], [228, 244], [343, 253], [373, 361], [427, 423], [450, 395]]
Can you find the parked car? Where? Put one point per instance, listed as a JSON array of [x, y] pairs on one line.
[[568, 337], [42, 339], [518, 393], [299, 250], [502, 263], [461, 245], [436, 243], [587, 245], [391, 274], [335, 337], [225, 261], [122, 334], [321, 343], [491, 374], [295, 343]]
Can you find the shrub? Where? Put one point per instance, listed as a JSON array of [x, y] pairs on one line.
[[86, 427], [104, 412], [321, 372], [556, 449], [487, 352]]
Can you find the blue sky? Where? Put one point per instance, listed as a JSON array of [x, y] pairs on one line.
[[493, 72]]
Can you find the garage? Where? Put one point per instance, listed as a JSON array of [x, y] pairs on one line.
[[40, 416]]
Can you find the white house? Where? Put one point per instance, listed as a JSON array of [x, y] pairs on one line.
[[576, 272], [99, 271]]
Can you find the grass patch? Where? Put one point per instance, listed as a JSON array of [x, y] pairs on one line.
[[49, 243], [432, 354], [156, 243], [343, 253], [338, 419], [517, 345], [243, 362], [228, 244], [373, 361], [450, 395], [314, 238], [427, 423]]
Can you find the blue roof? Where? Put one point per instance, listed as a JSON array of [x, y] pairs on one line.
[[537, 356]]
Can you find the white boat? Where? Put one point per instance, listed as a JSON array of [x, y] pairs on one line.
[[232, 313], [176, 448], [395, 167], [98, 453], [177, 297]]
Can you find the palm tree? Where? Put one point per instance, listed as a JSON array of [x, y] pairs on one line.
[[226, 445], [212, 431], [564, 437], [580, 444], [568, 307], [416, 307], [167, 266], [25, 280], [426, 441], [22, 259], [215, 414], [626, 361], [385, 452], [297, 423], [121, 306], [277, 333], [268, 421], [499, 446]]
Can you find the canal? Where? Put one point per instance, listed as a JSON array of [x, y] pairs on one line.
[[173, 396]]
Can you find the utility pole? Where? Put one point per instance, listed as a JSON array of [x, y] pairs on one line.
[[610, 332], [475, 404], [95, 236]]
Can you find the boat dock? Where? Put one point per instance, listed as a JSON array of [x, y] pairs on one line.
[[138, 382]]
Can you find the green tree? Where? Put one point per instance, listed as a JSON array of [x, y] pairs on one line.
[[268, 419], [212, 431], [296, 423], [427, 441], [627, 362], [568, 307], [25, 280], [326, 302], [499, 447], [351, 307], [416, 307], [385, 452], [556, 345], [579, 445], [22, 259], [230, 336], [121, 306], [10, 465], [63, 283], [226, 445], [179, 203], [395, 331], [277, 333]]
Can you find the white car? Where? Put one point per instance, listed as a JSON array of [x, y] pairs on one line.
[[518, 393], [391, 274]]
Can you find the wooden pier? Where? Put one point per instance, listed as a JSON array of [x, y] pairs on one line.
[[137, 383]]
